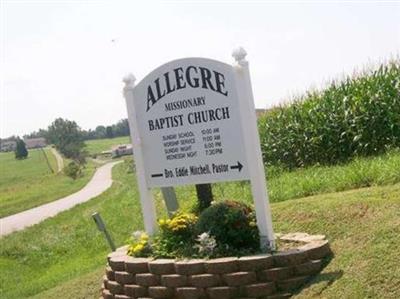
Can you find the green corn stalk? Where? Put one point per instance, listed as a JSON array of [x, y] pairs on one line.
[[359, 116]]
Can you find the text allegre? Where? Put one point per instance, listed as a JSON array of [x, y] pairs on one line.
[[179, 78]]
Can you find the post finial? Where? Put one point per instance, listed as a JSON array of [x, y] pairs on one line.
[[239, 54], [129, 80]]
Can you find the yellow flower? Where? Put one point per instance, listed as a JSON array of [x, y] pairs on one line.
[[179, 222], [138, 248]]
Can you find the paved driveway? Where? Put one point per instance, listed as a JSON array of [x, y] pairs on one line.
[[99, 183], [60, 161]]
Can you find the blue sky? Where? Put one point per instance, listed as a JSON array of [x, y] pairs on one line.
[[67, 58]]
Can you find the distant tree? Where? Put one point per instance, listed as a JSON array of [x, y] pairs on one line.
[[121, 128], [109, 132], [67, 138], [100, 132], [20, 151], [89, 135]]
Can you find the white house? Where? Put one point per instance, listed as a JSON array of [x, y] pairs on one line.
[[35, 142], [121, 150]]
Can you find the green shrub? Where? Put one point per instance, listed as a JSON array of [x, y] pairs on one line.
[[224, 229], [359, 116], [20, 151], [232, 224], [73, 170], [176, 237]]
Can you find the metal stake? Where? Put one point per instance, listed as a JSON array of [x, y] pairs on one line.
[[102, 227]]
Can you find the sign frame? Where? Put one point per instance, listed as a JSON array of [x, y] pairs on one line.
[[188, 117], [252, 150]]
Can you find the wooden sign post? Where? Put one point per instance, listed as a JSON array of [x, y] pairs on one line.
[[253, 150], [146, 198], [193, 121]]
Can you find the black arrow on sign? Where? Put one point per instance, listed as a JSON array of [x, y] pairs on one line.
[[157, 175], [239, 166]]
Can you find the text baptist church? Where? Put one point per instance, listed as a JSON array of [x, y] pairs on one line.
[[180, 78]]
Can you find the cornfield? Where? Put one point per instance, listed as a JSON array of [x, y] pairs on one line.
[[359, 116]]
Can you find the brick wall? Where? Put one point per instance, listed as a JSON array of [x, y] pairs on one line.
[[260, 276]]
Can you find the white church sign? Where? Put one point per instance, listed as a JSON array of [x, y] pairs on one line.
[[189, 124], [193, 121]]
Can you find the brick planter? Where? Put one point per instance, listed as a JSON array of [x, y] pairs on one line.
[[260, 276]]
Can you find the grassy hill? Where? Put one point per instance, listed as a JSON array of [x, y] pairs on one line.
[[66, 254], [343, 138], [96, 146], [28, 183]]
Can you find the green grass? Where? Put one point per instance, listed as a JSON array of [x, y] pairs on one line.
[[96, 146], [361, 172], [284, 185], [68, 245], [66, 254], [28, 183], [301, 182]]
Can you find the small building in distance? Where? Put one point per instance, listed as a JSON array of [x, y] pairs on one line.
[[121, 150], [8, 146], [35, 142]]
